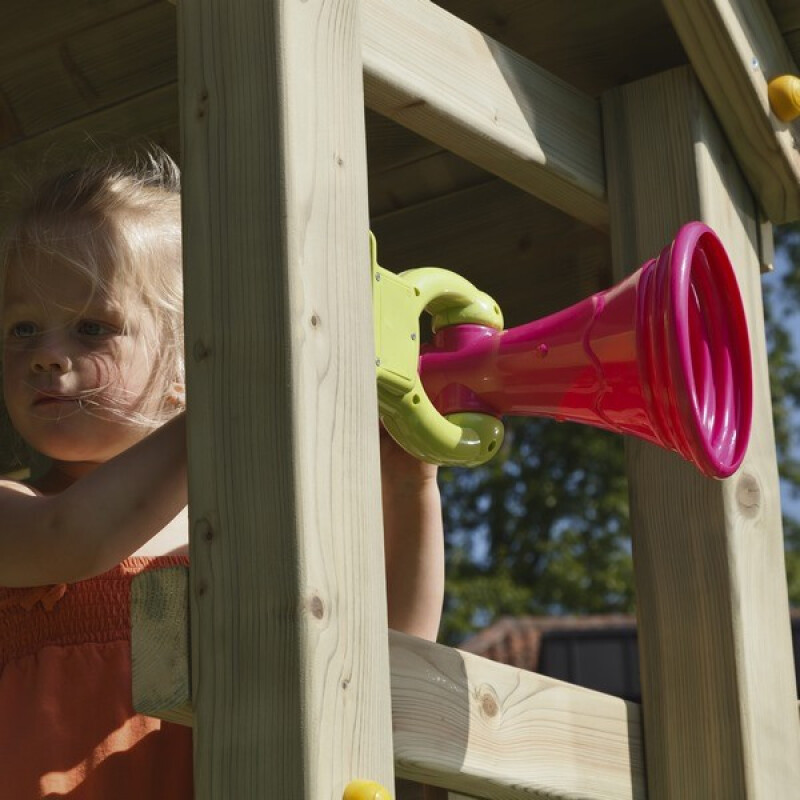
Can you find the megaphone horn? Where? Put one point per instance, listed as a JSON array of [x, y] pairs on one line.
[[663, 356]]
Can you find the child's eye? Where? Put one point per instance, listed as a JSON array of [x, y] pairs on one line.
[[90, 327], [22, 330]]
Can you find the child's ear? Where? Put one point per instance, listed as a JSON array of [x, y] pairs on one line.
[[176, 396]]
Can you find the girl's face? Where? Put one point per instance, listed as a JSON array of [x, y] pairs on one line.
[[75, 369]]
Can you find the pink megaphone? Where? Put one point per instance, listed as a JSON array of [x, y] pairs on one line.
[[663, 356]]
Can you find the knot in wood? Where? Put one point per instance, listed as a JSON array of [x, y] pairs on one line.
[[202, 104], [203, 530], [201, 350], [316, 607], [748, 495], [488, 702]]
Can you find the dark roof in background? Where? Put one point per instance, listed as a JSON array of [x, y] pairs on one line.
[[599, 652]]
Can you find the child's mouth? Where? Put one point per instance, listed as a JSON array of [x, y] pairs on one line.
[[55, 400]]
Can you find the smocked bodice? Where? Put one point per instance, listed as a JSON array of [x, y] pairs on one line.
[[91, 611]]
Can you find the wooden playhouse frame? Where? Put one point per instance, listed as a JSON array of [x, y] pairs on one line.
[[292, 690]]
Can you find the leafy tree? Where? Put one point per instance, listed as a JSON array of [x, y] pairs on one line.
[[543, 527]]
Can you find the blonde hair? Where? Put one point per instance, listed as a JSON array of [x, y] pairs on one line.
[[118, 224]]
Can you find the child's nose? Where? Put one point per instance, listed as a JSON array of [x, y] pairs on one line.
[[50, 357]]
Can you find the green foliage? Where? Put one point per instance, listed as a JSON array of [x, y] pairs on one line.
[[543, 528], [782, 315]]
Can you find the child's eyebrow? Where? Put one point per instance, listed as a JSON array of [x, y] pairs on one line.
[[15, 307], [95, 305]]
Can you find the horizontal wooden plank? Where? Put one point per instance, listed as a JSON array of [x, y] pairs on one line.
[[406, 169], [390, 146], [437, 75], [490, 730], [592, 45], [88, 71], [429, 179], [460, 721], [153, 115], [28, 25], [530, 257], [735, 48]]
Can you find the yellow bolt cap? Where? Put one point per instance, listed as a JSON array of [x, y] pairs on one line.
[[365, 790], [784, 97]]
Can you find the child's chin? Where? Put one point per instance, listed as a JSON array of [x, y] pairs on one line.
[[74, 447]]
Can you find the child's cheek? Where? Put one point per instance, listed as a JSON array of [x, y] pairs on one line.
[[98, 371]]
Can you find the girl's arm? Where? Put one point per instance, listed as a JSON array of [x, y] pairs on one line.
[[414, 545], [100, 519], [413, 541]]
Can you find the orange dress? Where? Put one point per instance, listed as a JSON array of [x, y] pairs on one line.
[[68, 728]]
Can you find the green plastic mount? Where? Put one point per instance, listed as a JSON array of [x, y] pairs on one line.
[[463, 439]]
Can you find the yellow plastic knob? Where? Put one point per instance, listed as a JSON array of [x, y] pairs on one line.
[[784, 97], [365, 790]]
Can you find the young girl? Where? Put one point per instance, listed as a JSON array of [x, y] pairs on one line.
[[93, 378]]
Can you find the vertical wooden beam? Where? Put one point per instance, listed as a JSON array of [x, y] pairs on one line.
[[719, 705], [290, 671], [736, 48]]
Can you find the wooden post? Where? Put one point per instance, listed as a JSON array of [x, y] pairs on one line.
[[719, 704], [290, 671]]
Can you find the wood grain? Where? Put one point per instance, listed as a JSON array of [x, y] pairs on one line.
[[718, 689], [88, 70], [289, 656], [460, 721], [433, 73], [490, 730]]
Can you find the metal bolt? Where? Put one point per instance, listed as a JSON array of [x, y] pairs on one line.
[[377, 276], [413, 337], [377, 362]]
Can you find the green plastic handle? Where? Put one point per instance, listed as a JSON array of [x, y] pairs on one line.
[[463, 439]]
